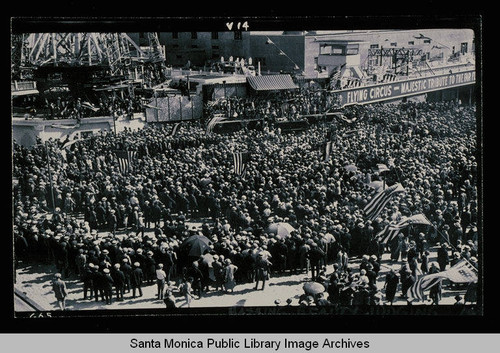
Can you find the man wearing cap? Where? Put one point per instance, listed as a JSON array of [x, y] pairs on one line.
[[161, 277], [443, 257], [262, 266], [87, 276], [59, 288], [119, 281], [107, 285], [127, 269], [136, 279]]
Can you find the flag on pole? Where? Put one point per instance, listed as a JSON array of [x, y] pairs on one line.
[[461, 272], [217, 118], [174, 130], [240, 160], [392, 230], [327, 150], [378, 202], [125, 159], [424, 283]]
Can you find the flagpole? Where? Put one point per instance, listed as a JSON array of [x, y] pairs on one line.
[[50, 179], [454, 248]]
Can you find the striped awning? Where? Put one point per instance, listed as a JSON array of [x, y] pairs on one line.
[[271, 82]]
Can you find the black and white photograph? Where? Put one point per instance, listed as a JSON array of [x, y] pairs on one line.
[[241, 167]]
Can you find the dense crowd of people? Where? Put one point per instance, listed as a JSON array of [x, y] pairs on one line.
[[62, 105], [289, 105], [103, 220]]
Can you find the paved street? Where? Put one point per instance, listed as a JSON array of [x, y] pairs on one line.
[[34, 281]]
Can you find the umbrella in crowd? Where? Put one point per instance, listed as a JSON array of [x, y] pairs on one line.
[[351, 168], [281, 229], [196, 245], [313, 288]]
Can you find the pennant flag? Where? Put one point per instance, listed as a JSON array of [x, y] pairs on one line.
[[378, 202], [217, 118], [240, 160], [392, 230], [416, 292], [125, 159], [327, 150], [174, 130], [462, 272]]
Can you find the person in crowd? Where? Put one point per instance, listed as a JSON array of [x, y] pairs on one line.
[[60, 291], [136, 280], [262, 266]]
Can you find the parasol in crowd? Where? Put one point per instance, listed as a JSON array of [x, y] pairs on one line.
[[281, 229], [313, 288], [351, 168], [196, 245]]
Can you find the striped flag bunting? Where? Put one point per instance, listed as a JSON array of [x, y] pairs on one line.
[[211, 124], [327, 150], [462, 272], [125, 159], [378, 202], [240, 160], [416, 292], [392, 230], [174, 130]]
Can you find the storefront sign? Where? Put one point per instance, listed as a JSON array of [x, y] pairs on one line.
[[393, 90]]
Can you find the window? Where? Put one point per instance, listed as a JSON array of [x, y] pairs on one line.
[[194, 35], [178, 56], [215, 47], [175, 45], [373, 46], [215, 35], [194, 46], [394, 44], [175, 35], [427, 41], [352, 49], [238, 35], [411, 42]]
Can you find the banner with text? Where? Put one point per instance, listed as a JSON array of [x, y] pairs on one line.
[[394, 90]]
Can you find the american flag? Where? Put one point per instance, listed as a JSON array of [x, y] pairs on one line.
[[424, 283], [240, 160], [392, 230], [462, 272], [125, 159], [378, 202], [174, 130], [217, 118], [327, 150]]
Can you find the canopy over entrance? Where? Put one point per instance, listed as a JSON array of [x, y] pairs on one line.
[[271, 82]]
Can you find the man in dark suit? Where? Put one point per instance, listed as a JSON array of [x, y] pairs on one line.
[[443, 258], [127, 272], [136, 279], [316, 255], [119, 281], [107, 285]]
